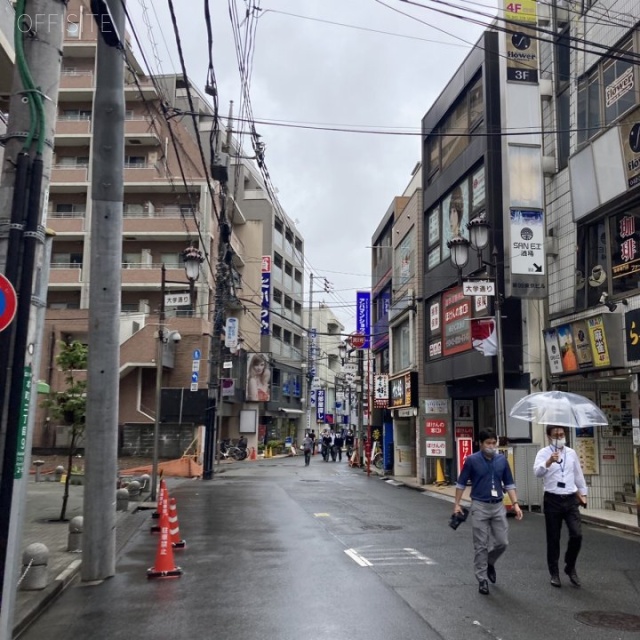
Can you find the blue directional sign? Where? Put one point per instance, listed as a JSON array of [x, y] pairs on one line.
[[196, 354], [194, 377]]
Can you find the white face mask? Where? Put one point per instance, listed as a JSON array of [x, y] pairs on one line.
[[560, 442]]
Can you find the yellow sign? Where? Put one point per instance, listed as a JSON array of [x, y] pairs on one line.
[[523, 11], [598, 341]]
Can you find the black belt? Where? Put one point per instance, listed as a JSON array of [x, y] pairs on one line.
[[559, 495], [488, 501]]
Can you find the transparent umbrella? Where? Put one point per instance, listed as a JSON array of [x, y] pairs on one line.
[[559, 408]]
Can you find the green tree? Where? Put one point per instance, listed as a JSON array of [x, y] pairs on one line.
[[70, 405]]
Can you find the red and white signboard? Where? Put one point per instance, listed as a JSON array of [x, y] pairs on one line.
[[464, 447], [357, 340], [435, 428], [463, 432], [436, 448]]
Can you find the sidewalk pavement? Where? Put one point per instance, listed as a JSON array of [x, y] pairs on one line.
[[44, 501], [42, 524], [602, 517]]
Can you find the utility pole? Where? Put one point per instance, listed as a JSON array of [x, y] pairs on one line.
[[24, 186], [220, 172], [311, 355], [103, 368]]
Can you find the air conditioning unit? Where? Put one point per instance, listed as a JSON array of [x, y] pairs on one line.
[[143, 306], [549, 165], [546, 89]]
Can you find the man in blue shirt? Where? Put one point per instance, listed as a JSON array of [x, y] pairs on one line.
[[490, 477]]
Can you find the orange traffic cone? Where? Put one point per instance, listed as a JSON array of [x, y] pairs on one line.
[[165, 566], [253, 455], [163, 497], [174, 527]]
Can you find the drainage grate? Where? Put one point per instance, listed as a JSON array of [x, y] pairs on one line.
[[610, 620]]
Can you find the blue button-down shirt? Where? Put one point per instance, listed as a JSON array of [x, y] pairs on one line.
[[486, 474]]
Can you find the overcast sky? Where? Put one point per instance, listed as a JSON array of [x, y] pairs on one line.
[[335, 185]]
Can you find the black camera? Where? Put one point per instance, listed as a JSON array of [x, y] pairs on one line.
[[458, 518]]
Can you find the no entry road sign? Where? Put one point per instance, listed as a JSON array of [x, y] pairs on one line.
[[8, 302]]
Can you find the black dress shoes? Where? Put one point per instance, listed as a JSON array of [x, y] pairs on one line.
[[555, 581], [573, 576], [491, 573], [483, 587]]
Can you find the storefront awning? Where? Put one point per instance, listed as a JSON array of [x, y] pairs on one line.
[[294, 411]]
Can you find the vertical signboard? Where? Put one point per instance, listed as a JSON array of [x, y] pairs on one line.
[[363, 316], [320, 405], [598, 340], [527, 253], [553, 351], [265, 291], [456, 314], [629, 129]]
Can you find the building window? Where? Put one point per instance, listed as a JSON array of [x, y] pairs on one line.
[[73, 30], [277, 260], [401, 347], [404, 260], [277, 331], [297, 309], [286, 337], [133, 162], [563, 80], [608, 258], [606, 93], [451, 138], [277, 296]]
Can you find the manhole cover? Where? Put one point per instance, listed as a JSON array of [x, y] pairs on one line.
[[381, 527], [610, 620]]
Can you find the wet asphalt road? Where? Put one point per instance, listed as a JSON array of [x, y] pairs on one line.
[[277, 550]]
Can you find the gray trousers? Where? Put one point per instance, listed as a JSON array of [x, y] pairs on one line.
[[490, 535]]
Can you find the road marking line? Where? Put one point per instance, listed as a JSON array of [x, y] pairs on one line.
[[321, 515], [356, 557]]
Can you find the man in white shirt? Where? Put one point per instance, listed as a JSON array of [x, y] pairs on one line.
[[564, 491]]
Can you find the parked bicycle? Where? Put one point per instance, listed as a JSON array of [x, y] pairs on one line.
[[227, 450]]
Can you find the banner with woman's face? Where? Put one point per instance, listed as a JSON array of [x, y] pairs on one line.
[[258, 377]]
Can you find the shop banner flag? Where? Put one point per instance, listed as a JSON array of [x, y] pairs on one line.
[[483, 336]]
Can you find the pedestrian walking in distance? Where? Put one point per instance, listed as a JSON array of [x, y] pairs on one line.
[[490, 477], [307, 447], [564, 491]]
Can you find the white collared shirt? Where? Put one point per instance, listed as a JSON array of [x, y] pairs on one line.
[[568, 471]]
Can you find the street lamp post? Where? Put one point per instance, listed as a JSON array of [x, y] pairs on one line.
[[192, 258], [459, 247]]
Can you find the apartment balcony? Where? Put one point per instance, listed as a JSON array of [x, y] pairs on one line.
[[76, 86], [144, 88], [161, 222], [68, 224], [140, 131], [65, 275], [149, 275], [73, 132], [69, 179]]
